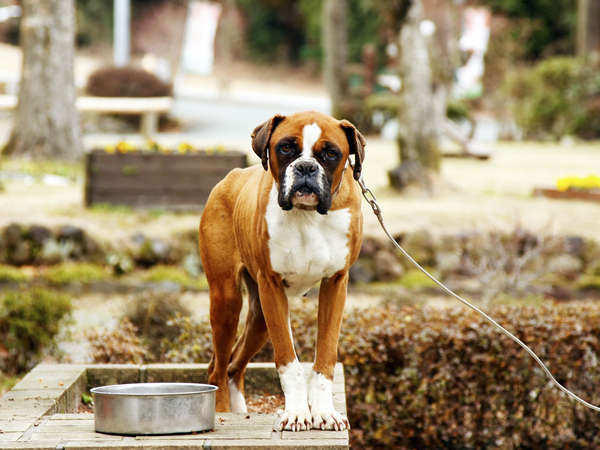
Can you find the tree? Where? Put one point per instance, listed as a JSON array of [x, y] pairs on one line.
[[588, 27], [46, 119], [335, 43], [422, 106]]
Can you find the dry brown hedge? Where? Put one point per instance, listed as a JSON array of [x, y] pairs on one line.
[[419, 377], [126, 82], [431, 378]]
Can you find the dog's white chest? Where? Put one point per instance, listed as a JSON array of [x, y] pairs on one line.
[[305, 246]]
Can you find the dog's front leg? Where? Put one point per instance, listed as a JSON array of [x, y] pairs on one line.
[[274, 303], [332, 297]]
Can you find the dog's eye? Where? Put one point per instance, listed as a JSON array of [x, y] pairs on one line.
[[330, 154], [286, 149]]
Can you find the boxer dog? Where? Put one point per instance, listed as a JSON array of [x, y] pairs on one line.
[[280, 229]]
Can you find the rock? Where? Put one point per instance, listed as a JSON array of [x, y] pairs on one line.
[[91, 248], [149, 252], [575, 245], [362, 271], [160, 249], [53, 252], [369, 247], [386, 265], [71, 233], [39, 234], [120, 263], [565, 264], [12, 235], [192, 264], [20, 254]]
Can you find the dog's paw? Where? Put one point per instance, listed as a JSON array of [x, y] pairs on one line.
[[330, 420], [293, 421]]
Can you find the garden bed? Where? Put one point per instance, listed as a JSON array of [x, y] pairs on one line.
[[570, 194], [176, 181]]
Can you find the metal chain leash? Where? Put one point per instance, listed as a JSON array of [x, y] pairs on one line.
[[372, 201]]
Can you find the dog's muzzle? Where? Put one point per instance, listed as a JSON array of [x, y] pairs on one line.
[[305, 186]]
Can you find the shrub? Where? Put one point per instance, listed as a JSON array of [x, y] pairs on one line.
[[75, 272], [161, 273], [126, 82], [119, 346], [441, 378], [418, 377], [12, 274], [557, 97], [193, 343], [29, 321], [151, 314]]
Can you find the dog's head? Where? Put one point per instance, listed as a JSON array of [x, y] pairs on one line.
[[307, 154]]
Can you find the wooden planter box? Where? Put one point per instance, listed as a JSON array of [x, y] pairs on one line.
[[593, 196], [156, 180]]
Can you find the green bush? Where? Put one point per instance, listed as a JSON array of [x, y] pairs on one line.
[[126, 82], [557, 97], [291, 30], [75, 272], [12, 274], [29, 321], [551, 24], [161, 273]]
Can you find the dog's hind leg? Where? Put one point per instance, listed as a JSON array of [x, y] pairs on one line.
[[221, 266], [249, 343]]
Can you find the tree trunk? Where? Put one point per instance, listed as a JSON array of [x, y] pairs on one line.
[[588, 27], [46, 119], [422, 107], [335, 54]]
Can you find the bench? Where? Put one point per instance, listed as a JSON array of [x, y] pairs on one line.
[[148, 107]]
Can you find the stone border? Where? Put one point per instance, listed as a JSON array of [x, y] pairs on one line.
[[40, 412]]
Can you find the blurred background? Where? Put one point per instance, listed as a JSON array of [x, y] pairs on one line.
[[482, 121]]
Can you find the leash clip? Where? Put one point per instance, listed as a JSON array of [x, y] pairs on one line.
[[370, 198]]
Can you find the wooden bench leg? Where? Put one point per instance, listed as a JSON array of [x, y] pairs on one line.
[[149, 125]]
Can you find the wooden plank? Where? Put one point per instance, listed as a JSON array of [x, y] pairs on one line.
[[151, 189], [117, 105], [124, 105], [567, 195], [153, 184], [103, 159], [194, 202], [178, 168]]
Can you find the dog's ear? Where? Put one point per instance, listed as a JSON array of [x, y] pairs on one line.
[[357, 143], [261, 137]]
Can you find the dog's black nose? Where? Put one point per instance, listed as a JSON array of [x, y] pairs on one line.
[[306, 167]]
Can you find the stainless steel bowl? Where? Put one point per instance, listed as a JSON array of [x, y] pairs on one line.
[[154, 408]]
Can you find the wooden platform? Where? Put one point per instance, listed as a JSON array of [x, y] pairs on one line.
[[40, 411]]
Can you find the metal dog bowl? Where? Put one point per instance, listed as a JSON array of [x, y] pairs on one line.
[[154, 408]]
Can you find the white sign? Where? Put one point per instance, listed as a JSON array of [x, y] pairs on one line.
[[199, 38]]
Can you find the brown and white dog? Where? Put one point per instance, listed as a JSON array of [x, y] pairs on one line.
[[280, 229]]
